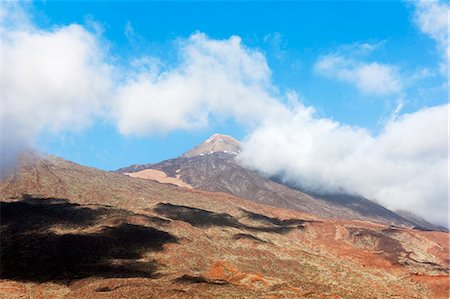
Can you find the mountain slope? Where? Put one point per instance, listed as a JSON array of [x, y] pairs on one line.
[[218, 171], [74, 231], [420, 221]]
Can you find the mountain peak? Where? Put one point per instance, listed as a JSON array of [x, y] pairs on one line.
[[214, 144]]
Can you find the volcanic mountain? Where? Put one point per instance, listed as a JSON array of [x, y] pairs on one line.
[[213, 166], [77, 232]]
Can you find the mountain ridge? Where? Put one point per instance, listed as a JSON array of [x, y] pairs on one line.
[[120, 237], [219, 171]]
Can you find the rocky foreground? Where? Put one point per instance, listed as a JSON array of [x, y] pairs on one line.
[[77, 232]]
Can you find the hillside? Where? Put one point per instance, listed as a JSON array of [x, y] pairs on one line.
[[209, 167], [74, 231]]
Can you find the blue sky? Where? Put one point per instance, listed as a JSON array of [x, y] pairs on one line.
[[291, 35]]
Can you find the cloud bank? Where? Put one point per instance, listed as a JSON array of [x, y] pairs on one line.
[[64, 79], [403, 167]]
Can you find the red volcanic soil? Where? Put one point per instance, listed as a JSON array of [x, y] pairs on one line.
[[83, 233]]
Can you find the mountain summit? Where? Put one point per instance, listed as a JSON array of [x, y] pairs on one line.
[[214, 144]]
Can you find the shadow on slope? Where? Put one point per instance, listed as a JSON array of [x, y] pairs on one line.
[[32, 249], [190, 279], [205, 219], [242, 236], [274, 221], [38, 215]]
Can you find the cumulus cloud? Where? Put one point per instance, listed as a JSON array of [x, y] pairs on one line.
[[432, 17], [51, 80], [404, 167], [214, 78], [369, 77]]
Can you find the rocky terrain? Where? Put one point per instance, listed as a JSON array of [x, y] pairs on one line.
[[77, 232], [212, 166]]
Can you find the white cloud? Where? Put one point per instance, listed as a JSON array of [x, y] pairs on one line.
[[433, 17], [219, 78], [404, 167], [51, 80], [369, 77]]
